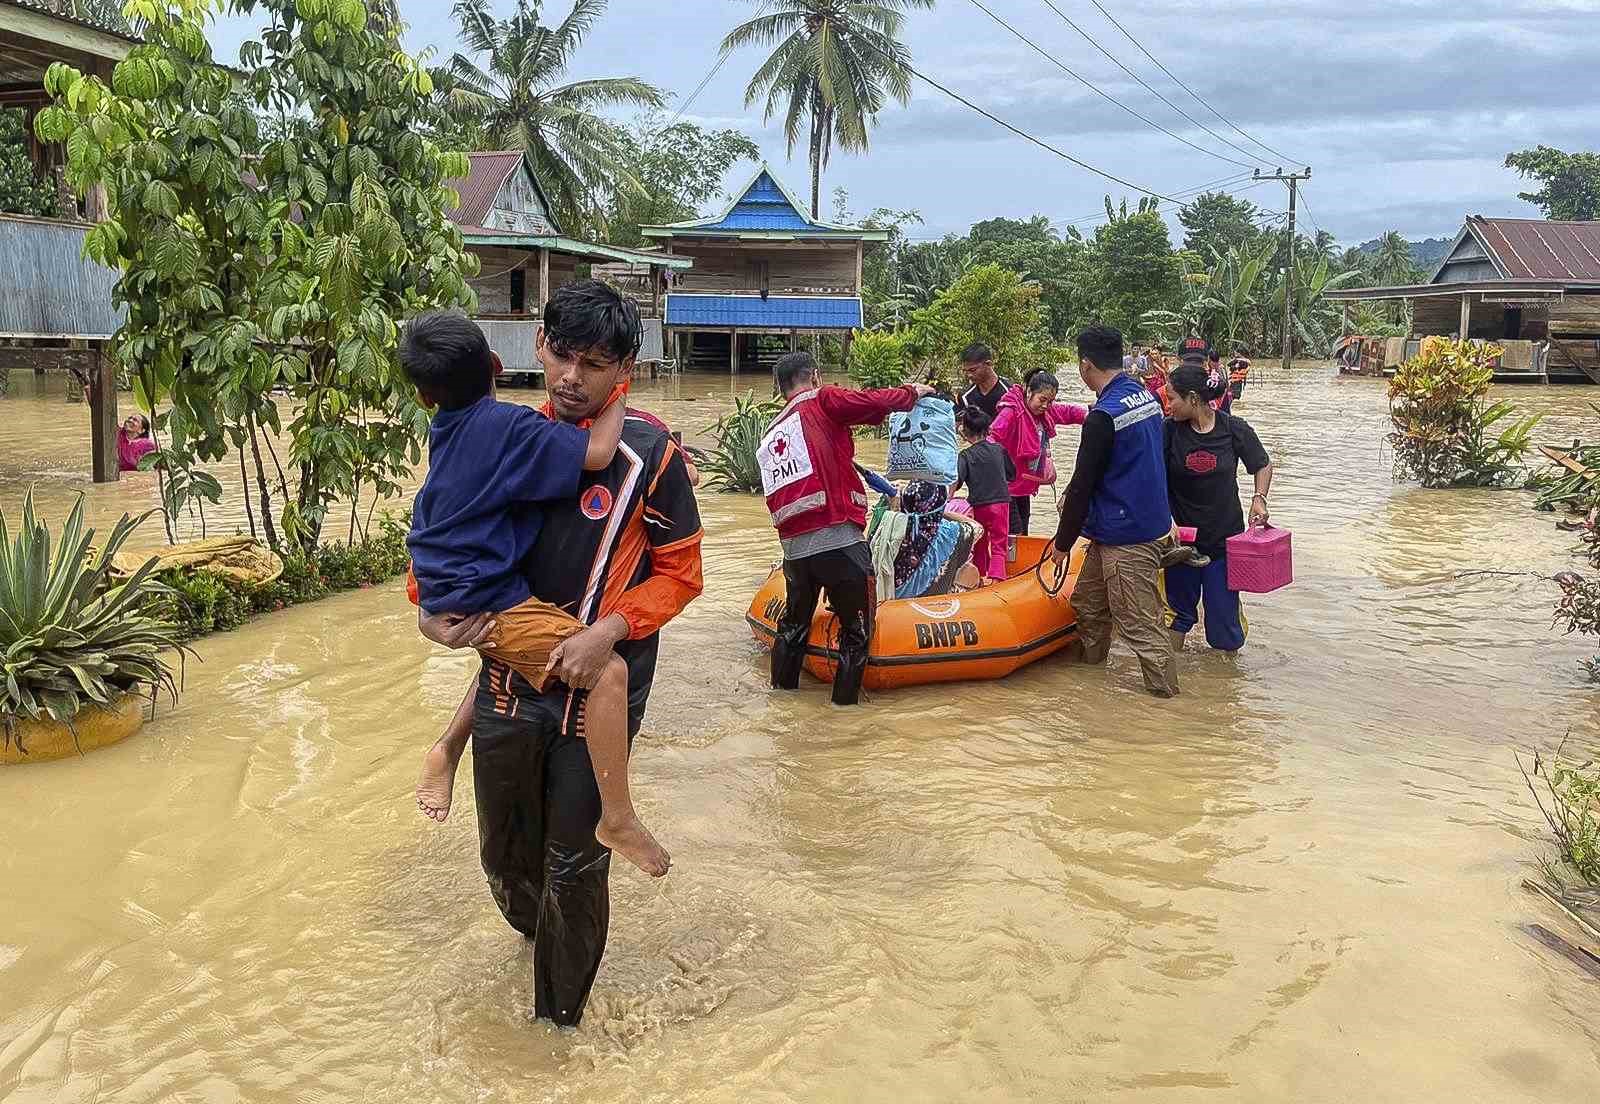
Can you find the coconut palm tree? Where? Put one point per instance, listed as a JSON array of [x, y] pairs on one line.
[[516, 99], [1394, 264], [835, 64]]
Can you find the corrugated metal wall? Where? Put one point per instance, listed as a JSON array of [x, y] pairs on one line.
[[47, 288]]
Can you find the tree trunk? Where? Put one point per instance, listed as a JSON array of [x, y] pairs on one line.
[[264, 495], [816, 164]]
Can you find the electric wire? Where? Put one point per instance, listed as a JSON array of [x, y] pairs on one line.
[[1231, 124], [1090, 39], [1018, 131], [1097, 90]]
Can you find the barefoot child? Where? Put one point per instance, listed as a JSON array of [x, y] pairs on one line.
[[468, 539], [986, 470]]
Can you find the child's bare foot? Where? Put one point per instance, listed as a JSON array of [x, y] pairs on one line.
[[437, 783], [632, 840]]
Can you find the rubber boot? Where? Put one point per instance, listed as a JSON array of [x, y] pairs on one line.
[[847, 680], [787, 659], [852, 665]]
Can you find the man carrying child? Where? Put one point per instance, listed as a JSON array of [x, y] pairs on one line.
[[621, 555]]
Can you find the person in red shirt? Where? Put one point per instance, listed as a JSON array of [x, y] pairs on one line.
[[819, 508]]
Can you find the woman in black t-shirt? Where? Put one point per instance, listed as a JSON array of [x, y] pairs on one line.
[[1204, 448]]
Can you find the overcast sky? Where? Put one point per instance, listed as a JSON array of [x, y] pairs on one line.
[[1405, 109]]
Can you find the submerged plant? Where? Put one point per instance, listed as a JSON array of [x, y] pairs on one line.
[[732, 463], [1438, 403], [1572, 788], [70, 634]]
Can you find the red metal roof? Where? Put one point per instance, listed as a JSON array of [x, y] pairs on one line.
[[479, 187], [1539, 249]]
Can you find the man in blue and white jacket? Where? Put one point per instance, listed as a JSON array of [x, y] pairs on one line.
[[1118, 500]]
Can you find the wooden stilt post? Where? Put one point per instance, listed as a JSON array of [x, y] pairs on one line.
[[733, 352], [103, 414], [544, 279], [1466, 314]]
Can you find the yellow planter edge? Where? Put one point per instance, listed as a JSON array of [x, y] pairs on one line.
[[97, 727]]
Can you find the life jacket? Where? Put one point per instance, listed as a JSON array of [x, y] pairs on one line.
[[807, 470], [1129, 504]]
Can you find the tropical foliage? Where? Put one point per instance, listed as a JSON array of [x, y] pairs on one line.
[[1569, 183], [1219, 301], [509, 92], [731, 463], [834, 66], [257, 259], [70, 633], [990, 304], [1443, 420], [878, 358], [202, 601], [23, 191], [1572, 788]]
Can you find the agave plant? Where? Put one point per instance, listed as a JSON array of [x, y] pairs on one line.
[[70, 634], [732, 461]]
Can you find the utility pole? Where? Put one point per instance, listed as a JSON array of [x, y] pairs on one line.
[[1293, 180]]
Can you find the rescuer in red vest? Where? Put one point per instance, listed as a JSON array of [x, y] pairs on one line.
[[820, 510]]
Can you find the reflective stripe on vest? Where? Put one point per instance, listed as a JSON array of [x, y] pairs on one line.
[[799, 506]]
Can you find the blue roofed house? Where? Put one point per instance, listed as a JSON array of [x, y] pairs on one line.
[[764, 273]]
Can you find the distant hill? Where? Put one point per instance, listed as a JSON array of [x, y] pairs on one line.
[[1425, 254]]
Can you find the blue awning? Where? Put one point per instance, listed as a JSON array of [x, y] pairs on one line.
[[794, 312]]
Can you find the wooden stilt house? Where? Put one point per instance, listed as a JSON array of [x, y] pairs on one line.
[[55, 304], [507, 221], [1531, 286], [764, 274]]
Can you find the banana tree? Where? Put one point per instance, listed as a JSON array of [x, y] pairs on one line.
[[1218, 302], [1316, 320], [1234, 290]]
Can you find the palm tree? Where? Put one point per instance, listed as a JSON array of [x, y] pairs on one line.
[[516, 101], [1394, 264], [835, 64]]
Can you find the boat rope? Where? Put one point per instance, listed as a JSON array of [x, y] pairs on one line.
[[1060, 571]]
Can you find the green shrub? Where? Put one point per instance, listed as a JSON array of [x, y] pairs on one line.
[[69, 634], [1438, 403], [878, 358], [203, 601]]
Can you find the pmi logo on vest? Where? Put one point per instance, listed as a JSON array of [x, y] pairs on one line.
[[784, 457]]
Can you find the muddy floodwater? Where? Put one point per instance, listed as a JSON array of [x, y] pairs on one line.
[[1298, 882]]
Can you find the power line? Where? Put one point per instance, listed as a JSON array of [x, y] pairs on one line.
[[1090, 39], [998, 121], [1234, 126], [1309, 215], [1222, 185], [1097, 90], [1225, 185], [716, 67]]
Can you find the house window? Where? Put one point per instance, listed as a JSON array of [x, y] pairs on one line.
[[519, 291]]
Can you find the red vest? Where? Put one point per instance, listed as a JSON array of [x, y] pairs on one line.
[[808, 471]]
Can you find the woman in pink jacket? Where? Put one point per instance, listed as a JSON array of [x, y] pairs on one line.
[[1028, 418]]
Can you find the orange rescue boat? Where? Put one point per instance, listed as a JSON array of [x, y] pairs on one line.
[[977, 634]]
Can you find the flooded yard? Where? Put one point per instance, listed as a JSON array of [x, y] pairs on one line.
[[1298, 882]]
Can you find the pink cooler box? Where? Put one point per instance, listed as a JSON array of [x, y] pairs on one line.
[[1260, 560]]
